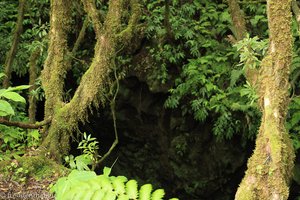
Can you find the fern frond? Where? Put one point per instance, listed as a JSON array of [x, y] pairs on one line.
[[105, 183], [119, 184], [158, 194], [82, 185], [110, 195], [123, 197], [93, 184], [145, 192], [131, 189], [98, 195], [88, 195]]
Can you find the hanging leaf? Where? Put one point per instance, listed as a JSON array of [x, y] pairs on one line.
[[13, 96], [18, 88], [5, 108]]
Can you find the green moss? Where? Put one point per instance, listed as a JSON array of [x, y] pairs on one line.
[[37, 167], [41, 167]]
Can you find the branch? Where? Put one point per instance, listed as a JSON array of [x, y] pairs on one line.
[[93, 14], [240, 32], [113, 112], [238, 19], [126, 34], [33, 72], [16, 39], [296, 11], [80, 36], [25, 125]]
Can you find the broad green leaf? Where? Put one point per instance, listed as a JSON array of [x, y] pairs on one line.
[[82, 162], [3, 114], [35, 134], [2, 91], [18, 88], [2, 75], [5, 107], [13, 96]]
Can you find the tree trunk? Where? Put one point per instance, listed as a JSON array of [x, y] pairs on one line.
[[109, 36], [32, 78], [238, 20], [270, 167], [13, 50], [56, 66]]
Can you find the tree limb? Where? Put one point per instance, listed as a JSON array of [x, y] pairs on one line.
[[32, 78], [13, 50], [296, 11], [238, 19], [25, 125], [126, 34]]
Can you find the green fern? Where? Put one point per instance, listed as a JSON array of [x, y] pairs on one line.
[[145, 192], [86, 185], [131, 189]]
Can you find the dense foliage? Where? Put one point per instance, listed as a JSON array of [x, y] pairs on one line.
[[189, 49]]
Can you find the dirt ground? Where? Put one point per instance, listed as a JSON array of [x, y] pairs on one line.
[[30, 190]]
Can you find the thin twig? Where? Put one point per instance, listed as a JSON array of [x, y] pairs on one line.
[[113, 111]]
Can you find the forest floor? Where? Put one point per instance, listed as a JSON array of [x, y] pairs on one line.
[[30, 190]]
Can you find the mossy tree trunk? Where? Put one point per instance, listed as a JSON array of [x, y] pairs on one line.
[[15, 43], [33, 74], [270, 167], [111, 35]]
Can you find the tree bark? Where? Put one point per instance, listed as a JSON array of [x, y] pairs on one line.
[[56, 65], [238, 20], [270, 167], [94, 83], [13, 50], [32, 78]]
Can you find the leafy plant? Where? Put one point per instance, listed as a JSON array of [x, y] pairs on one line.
[[14, 141], [210, 79], [293, 120], [86, 185], [251, 51], [202, 91], [16, 173], [89, 147], [9, 94]]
